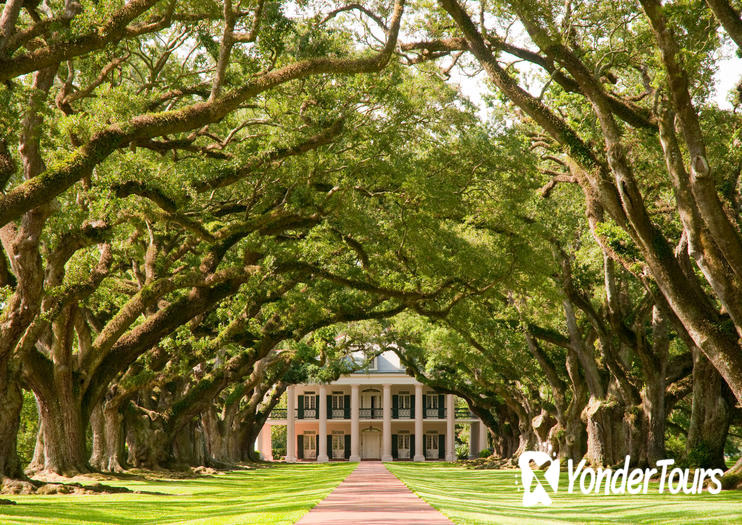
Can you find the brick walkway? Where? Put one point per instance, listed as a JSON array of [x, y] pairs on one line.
[[371, 495]]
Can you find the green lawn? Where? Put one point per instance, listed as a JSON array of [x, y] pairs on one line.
[[275, 494], [491, 496]]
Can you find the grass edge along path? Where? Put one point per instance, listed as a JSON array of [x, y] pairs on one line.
[[470, 497], [278, 493]]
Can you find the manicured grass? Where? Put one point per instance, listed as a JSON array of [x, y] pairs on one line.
[[274, 494], [491, 496]]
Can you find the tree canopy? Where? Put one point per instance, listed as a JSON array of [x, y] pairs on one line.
[[198, 198]]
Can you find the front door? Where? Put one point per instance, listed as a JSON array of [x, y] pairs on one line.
[[403, 446], [371, 445], [431, 446], [338, 446], [310, 446]]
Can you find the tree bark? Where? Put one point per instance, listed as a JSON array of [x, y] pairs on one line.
[[106, 423], [605, 433], [654, 367], [65, 450], [710, 415], [97, 428], [11, 403], [146, 440]]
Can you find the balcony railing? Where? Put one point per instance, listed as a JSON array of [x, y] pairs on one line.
[[404, 413], [432, 413], [371, 413]]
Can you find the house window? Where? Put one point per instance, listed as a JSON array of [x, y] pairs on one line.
[[403, 441], [338, 445], [310, 401], [431, 401], [337, 406], [404, 401], [370, 404], [338, 401], [373, 365]]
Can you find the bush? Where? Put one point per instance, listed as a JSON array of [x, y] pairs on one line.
[[462, 451], [485, 453], [699, 455], [731, 481]]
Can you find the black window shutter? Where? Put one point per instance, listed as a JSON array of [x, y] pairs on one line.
[[441, 406], [412, 405], [394, 446], [300, 446], [316, 407], [441, 446], [347, 446], [329, 406], [329, 446], [316, 445], [395, 407], [412, 446], [346, 406], [301, 407]]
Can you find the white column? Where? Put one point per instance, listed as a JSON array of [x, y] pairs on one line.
[[386, 451], [265, 446], [322, 452], [419, 452], [450, 428], [290, 427], [355, 425], [483, 432]]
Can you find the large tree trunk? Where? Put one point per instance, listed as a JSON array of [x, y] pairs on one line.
[[542, 426], [113, 430], [65, 451], [569, 440], [189, 448], [11, 403], [654, 412], [147, 442], [605, 432], [108, 438], [527, 438], [97, 427], [635, 425], [218, 436], [710, 413], [503, 431], [249, 434]]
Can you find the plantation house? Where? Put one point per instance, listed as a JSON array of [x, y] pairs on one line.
[[378, 413]]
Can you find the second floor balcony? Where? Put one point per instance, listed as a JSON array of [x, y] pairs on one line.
[[371, 413]]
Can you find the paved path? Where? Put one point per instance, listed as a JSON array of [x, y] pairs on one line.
[[371, 495]]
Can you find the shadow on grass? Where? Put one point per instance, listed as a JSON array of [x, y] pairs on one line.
[[270, 494], [492, 496]]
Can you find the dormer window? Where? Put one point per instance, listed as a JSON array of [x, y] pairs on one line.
[[373, 364]]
